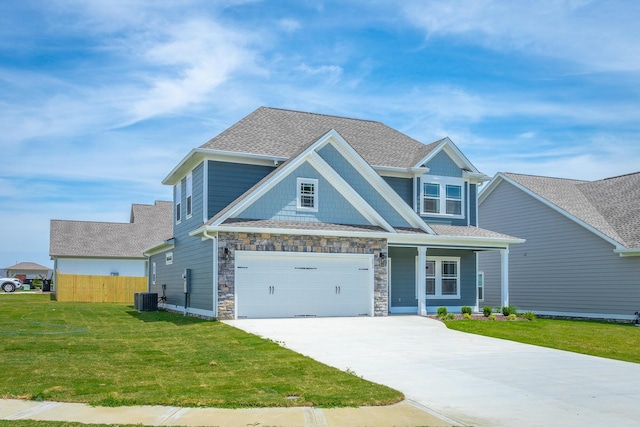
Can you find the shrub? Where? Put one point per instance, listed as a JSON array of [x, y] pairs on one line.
[[442, 312], [529, 315], [512, 317], [492, 317], [512, 309], [467, 316], [466, 310], [487, 310], [449, 316]]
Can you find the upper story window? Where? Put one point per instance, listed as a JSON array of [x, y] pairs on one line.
[[307, 197], [178, 201], [442, 197], [189, 195]]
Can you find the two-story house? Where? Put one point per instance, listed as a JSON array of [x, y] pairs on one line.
[[289, 214]]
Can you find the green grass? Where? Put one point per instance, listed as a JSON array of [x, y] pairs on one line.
[[611, 340], [111, 355]]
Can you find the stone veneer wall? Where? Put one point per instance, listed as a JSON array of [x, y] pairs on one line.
[[296, 243]]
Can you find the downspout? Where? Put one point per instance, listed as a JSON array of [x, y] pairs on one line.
[[215, 270]]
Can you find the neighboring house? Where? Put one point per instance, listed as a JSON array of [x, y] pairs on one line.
[[28, 270], [582, 252], [296, 214], [110, 248]]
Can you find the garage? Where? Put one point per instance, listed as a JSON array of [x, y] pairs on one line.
[[287, 284]]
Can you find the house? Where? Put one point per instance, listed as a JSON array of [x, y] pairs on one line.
[[109, 248], [582, 252], [28, 270], [288, 213]]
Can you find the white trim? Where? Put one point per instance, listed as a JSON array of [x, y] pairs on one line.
[[478, 275], [299, 195], [443, 182], [153, 273], [188, 208], [504, 277], [154, 250], [168, 258], [400, 172], [628, 252], [438, 277], [457, 156], [190, 310], [421, 277], [205, 190], [177, 202], [388, 282]]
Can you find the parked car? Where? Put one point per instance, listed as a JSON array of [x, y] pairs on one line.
[[9, 284]]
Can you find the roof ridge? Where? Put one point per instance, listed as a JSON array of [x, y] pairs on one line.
[[619, 176], [545, 176], [319, 114]]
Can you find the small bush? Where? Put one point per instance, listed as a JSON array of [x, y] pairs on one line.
[[512, 317], [442, 312], [487, 310], [467, 316], [449, 316], [492, 317], [466, 310], [512, 309], [529, 315]]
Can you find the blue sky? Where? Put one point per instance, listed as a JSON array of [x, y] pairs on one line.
[[100, 99]]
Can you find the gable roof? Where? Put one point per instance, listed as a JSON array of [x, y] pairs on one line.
[[28, 266], [284, 133], [308, 153], [149, 225], [610, 207]]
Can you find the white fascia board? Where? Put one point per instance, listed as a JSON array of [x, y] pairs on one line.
[[494, 242], [400, 172], [616, 244], [163, 247], [454, 152], [625, 252], [490, 187], [475, 177], [379, 183], [197, 155], [348, 192]]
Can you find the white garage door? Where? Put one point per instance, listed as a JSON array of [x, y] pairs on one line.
[[285, 284]]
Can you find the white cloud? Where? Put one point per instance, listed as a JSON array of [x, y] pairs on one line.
[[289, 25], [600, 35]]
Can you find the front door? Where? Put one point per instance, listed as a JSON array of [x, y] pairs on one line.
[[403, 295]]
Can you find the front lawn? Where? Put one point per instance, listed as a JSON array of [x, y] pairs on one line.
[[109, 354], [612, 340]]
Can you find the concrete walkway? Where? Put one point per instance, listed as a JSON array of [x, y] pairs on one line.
[[476, 380], [402, 414]]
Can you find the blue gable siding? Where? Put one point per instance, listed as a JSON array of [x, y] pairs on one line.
[[279, 203], [442, 165], [473, 204], [227, 181], [362, 186], [402, 186]]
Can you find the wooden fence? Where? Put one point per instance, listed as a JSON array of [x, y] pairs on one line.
[[82, 288]]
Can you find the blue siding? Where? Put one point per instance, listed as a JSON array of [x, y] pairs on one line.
[[362, 186], [227, 181], [468, 278], [279, 203], [442, 165], [473, 204], [402, 186], [189, 252], [403, 277]]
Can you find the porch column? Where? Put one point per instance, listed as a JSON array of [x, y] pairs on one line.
[[422, 280], [504, 261]]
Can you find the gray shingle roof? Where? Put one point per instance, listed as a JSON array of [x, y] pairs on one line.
[[611, 205], [32, 266], [467, 231], [300, 225], [149, 225], [283, 133]]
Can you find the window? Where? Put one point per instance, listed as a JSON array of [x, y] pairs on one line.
[[443, 277], [480, 285], [169, 259], [189, 194], [443, 198], [178, 199], [153, 273], [307, 199]]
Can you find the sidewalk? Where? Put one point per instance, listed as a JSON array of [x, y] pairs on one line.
[[403, 414]]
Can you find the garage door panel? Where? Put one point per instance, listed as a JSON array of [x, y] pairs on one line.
[[289, 285]]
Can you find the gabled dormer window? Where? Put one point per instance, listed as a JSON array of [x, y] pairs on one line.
[[307, 197], [178, 201], [443, 197], [189, 199]]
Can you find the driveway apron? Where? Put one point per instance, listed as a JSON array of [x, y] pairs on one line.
[[473, 379]]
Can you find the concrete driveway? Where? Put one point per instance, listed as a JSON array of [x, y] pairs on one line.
[[472, 379]]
